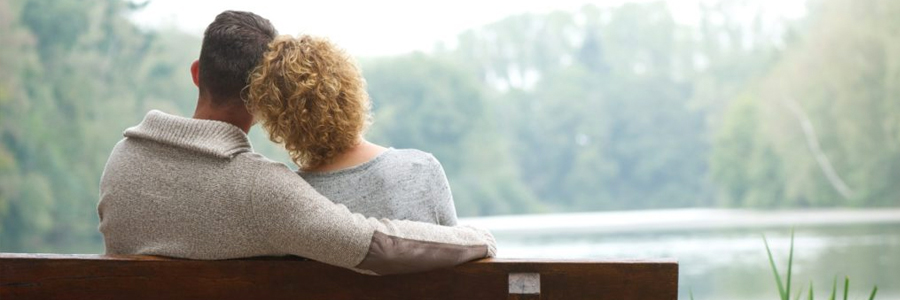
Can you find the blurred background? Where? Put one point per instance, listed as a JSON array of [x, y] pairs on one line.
[[573, 129]]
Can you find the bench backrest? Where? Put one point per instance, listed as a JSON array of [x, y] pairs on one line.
[[55, 276]]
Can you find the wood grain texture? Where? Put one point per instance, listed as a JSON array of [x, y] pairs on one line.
[[524, 297], [54, 276]]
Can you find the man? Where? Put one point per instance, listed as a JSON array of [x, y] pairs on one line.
[[194, 188]]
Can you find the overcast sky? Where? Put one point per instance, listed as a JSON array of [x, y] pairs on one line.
[[385, 27]]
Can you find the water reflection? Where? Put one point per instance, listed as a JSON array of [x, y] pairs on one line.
[[730, 262]]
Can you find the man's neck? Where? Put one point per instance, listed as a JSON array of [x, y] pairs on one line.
[[234, 115]]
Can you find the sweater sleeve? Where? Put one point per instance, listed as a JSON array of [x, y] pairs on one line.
[[292, 218]]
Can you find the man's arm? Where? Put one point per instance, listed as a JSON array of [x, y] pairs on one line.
[[292, 218]]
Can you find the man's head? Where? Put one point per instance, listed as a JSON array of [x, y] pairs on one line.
[[232, 46]]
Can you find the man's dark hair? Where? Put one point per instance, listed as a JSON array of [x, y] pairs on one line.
[[233, 44]]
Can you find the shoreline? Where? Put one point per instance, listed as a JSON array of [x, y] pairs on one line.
[[678, 219]]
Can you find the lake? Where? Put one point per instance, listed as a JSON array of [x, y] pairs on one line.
[[721, 253]]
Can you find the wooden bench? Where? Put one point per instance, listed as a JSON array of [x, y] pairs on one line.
[[94, 277]]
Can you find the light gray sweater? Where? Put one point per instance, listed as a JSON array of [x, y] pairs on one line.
[[195, 189], [404, 184]]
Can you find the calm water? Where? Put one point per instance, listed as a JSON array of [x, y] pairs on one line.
[[721, 252]]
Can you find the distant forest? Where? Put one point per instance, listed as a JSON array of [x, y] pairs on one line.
[[596, 109]]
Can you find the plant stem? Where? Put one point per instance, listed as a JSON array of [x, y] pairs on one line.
[[874, 291], [781, 292], [846, 286], [790, 267]]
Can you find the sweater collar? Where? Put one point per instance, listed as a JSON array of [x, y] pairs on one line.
[[209, 137]]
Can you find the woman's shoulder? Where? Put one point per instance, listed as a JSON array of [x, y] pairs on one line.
[[410, 157], [413, 159], [409, 162]]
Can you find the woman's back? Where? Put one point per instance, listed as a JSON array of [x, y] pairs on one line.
[[310, 97], [397, 184]]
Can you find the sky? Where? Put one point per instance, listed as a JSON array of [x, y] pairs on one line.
[[390, 27]]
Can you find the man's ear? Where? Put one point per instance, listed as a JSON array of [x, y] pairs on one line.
[[195, 72]]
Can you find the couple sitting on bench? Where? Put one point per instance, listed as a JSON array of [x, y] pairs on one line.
[[194, 188]]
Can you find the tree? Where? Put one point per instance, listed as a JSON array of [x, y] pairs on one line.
[[433, 104], [825, 115]]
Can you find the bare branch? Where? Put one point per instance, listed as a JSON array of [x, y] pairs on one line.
[[812, 143]]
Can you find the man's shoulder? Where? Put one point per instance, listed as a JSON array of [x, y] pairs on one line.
[[262, 164], [257, 159], [271, 176]]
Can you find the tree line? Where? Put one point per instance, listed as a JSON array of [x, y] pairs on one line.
[[595, 109]]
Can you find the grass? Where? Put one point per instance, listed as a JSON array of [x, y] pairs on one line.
[[784, 289]]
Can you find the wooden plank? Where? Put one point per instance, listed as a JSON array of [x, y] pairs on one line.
[[54, 276], [524, 297]]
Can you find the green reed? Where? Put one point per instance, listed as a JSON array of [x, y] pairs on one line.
[[784, 289]]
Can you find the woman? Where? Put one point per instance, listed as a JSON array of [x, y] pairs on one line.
[[310, 96]]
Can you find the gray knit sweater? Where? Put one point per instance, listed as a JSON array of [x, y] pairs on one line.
[[404, 184], [195, 189]]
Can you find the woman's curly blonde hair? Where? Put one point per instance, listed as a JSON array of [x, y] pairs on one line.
[[309, 96]]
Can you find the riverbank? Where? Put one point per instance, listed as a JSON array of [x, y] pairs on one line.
[[690, 219]]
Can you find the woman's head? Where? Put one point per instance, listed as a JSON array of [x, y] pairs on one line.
[[309, 96]]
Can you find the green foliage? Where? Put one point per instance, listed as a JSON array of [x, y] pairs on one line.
[[434, 105], [70, 85], [784, 290], [810, 293], [600, 118], [820, 127], [748, 170]]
